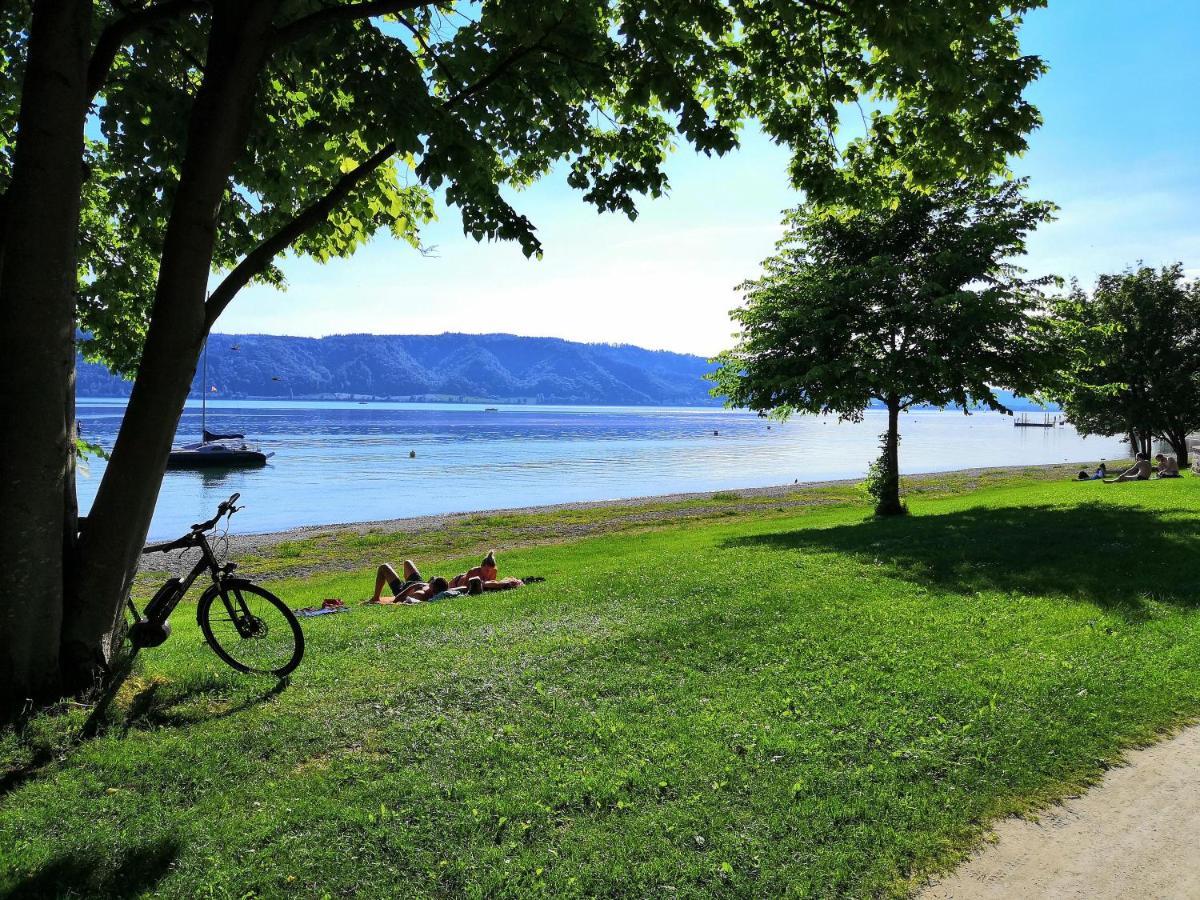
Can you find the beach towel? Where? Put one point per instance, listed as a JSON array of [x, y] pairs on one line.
[[328, 606], [448, 594]]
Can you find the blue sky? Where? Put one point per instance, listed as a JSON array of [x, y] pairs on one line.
[[1119, 152]]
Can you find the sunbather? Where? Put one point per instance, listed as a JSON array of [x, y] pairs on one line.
[[1168, 466], [1139, 471], [401, 587], [487, 573], [413, 588]]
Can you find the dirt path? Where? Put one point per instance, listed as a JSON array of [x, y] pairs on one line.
[[1132, 835]]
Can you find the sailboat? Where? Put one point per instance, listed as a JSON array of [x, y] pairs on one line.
[[214, 450]]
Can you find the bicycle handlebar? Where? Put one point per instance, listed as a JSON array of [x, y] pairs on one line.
[[225, 507], [188, 540]]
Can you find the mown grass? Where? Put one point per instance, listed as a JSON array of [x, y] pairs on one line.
[[804, 702], [351, 548]]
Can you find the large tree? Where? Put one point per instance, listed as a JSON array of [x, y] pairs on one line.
[[1130, 357], [225, 132], [913, 303]]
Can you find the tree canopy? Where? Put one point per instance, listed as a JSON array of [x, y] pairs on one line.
[[359, 119], [919, 303], [1130, 357]]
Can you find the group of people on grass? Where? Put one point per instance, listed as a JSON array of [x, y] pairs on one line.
[[414, 588], [1141, 470]]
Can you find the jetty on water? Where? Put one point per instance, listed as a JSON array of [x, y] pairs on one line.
[[1048, 421]]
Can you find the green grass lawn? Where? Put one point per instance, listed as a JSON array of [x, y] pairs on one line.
[[797, 701]]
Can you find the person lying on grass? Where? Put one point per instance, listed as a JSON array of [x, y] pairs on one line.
[[1139, 471], [1168, 466], [414, 589]]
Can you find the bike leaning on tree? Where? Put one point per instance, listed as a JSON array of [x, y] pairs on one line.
[[247, 626]]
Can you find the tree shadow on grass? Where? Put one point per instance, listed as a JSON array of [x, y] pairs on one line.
[[160, 705], [14, 777], [156, 705], [137, 870], [1116, 556]]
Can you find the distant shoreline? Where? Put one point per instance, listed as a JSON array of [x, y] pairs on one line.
[[718, 406], [423, 401]]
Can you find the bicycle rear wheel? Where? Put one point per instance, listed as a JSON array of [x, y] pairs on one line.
[[250, 628]]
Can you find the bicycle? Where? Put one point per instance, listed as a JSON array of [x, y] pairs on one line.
[[247, 626]]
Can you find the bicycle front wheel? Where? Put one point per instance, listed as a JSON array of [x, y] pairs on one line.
[[250, 628]]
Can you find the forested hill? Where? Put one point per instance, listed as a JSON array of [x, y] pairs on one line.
[[495, 367]]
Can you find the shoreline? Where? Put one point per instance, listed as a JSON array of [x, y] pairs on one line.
[[253, 542], [307, 550]]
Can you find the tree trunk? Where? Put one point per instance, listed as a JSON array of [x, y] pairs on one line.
[[38, 279], [120, 516], [889, 502], [1179, 446]]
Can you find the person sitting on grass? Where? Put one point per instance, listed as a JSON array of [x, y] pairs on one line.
[[413, 588], [1168, 466], [1139, 471]]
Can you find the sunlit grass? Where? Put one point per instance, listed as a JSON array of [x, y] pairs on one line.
[[804, 701]]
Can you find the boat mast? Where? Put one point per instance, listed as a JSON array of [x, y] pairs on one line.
[[204, 396]]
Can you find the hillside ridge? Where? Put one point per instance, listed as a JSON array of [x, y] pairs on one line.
[[449, 366]]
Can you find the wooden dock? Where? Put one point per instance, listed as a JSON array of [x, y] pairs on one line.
[[1025, 421]]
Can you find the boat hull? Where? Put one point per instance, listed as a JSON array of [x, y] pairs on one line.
[[229, 459]]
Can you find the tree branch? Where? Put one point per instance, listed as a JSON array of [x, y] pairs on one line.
[[366, 9], [827, 8], [505, 64], [257, 260], [117, 33]]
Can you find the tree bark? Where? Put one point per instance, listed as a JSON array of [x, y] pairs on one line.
[[889, 503], [1179, 445], [38, 279], [120, 516]]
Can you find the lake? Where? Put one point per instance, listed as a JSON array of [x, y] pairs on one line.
[[345, 462]]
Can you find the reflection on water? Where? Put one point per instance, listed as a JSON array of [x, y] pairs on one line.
[[345, 462]]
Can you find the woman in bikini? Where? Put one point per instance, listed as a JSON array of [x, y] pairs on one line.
[[487, 573]]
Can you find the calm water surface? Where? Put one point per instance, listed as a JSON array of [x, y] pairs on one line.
[[345, 462]]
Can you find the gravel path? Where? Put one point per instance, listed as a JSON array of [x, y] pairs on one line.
[[449, 520], [625, 512], [631, 511], [1132, 835]]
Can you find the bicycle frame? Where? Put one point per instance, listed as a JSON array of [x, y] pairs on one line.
[[206, 563]]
